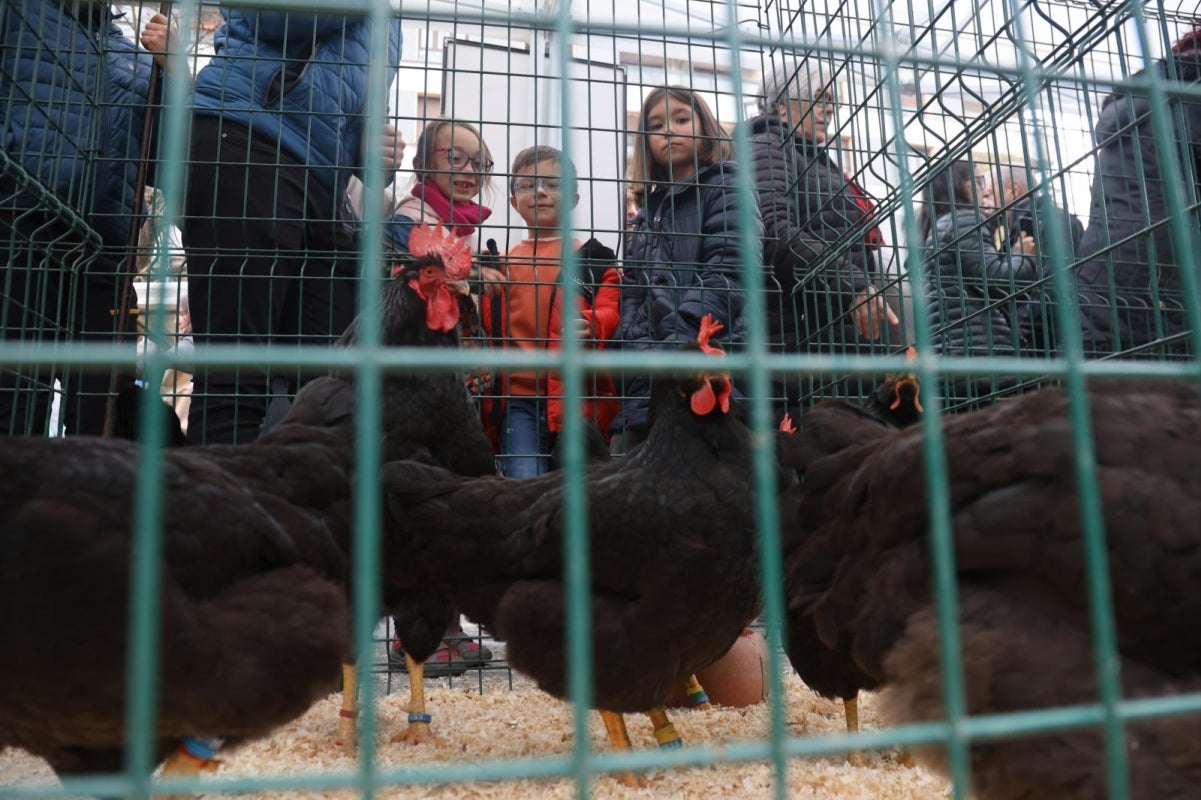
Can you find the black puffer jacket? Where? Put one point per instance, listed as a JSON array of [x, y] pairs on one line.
[[1035, 317], [1129, 195], [682, 262], [810, 217], [967, 283], [1027, 217]]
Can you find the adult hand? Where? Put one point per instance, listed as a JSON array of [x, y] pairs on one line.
[[157, 34], [394, 148], [872, 314], [1025, 244]]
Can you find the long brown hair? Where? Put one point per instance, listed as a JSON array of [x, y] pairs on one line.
[[645, 173]]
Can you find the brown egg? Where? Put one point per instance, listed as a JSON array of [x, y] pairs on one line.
[[739, 678]]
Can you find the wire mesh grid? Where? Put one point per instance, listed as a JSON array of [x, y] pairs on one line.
[[1011, 187]]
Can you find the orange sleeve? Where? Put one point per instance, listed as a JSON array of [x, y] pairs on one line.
[[605, 313]]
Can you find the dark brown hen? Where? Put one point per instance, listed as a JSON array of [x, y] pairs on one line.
[[254, 616], [256, 546], [672, 551], [428, 417], [826, 664], [1020, 567]]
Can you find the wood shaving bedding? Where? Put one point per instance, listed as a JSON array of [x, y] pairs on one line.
[[502, 724]]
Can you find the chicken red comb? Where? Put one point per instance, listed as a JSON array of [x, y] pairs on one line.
[[911, 353], [786, 424], [453, 250], [709, 326]]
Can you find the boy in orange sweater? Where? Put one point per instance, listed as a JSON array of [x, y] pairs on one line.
[[528, 314]]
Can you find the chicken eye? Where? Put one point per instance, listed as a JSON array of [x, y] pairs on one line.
[[430, 272]]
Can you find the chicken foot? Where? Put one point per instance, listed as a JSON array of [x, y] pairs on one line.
[[418, 731], [347, 736], [192, 757], [619, 739]]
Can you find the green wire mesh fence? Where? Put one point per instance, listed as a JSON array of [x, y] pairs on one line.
[[1009, 187]]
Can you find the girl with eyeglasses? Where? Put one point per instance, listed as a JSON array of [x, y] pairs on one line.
[[451, 169]]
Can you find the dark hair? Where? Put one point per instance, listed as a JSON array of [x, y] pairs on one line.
[[952, 187], [644, 172], [542, 152]]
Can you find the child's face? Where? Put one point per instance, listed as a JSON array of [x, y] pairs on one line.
[[457, 164], [536, 195], [671, 137]]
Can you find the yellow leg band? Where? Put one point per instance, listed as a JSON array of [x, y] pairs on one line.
[[667, 737]]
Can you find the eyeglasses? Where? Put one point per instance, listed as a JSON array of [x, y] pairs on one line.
[[458, 158], [531, 185]]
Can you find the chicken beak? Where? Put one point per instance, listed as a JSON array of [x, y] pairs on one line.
[[726, 388], [459, 287], [911, 381]]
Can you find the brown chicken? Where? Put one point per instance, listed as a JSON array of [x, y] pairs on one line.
[[897, 400], [428, 417], [256, 547], [254, 615], [672, 553], [828, 668], [1019, 557]]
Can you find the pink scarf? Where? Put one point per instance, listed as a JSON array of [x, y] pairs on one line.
[[464, 217]]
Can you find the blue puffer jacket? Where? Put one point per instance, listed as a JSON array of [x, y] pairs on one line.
[[74, 99], [299, 79], [682, 262]]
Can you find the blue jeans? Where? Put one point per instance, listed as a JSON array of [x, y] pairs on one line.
[[523, 438]]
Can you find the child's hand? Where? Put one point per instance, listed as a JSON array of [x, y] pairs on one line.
[[493, 280], [583, 328]]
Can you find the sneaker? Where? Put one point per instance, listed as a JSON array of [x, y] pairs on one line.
[[445, 661], [396, 655], [467, 649]]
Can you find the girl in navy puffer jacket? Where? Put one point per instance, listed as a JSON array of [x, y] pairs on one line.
[[74, 92], [277, 132], [683, 260]]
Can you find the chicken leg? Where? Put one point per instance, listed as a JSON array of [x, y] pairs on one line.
[[665, 732], [850, 707], [418, 731], [696, 694], [619, 738], [347, 736], [856, 759]]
